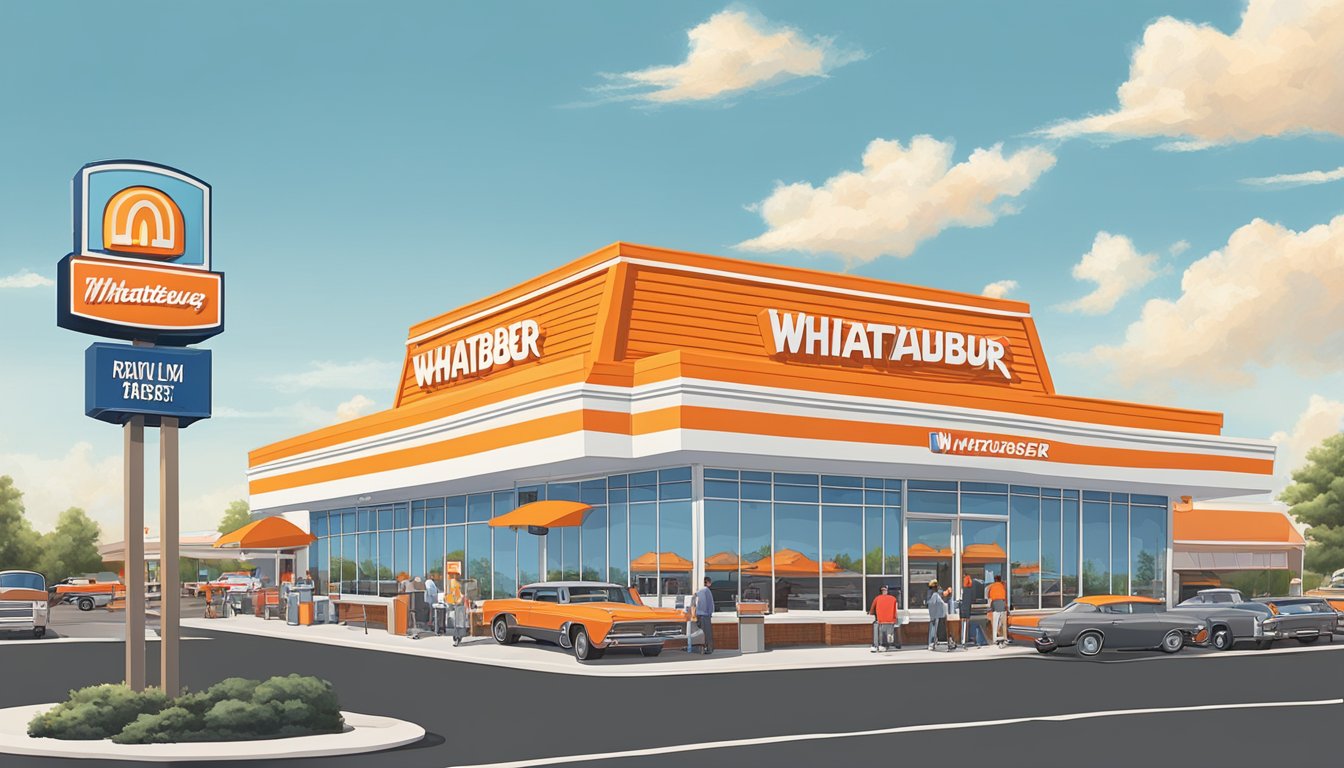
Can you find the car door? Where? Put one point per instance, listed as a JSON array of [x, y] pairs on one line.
[[1114, 623], [545, 614], [1149, 623]]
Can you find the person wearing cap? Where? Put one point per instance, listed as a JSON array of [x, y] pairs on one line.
[[937, 611], [885, 625]]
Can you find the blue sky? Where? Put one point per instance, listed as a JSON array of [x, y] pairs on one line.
[[374, 166]]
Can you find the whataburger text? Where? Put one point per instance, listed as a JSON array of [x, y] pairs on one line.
[[975, 445], [478, 353], [798, 333]]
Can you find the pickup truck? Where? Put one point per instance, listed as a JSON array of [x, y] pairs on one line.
[[85, 592], [23, 602]]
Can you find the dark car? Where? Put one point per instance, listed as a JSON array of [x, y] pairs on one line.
[[1304, 619], [1230, 619], [1117, 622]]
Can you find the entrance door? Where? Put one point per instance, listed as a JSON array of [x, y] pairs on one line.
[[984, 555], [929, 556]]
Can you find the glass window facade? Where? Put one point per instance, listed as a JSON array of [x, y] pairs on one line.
[[797, 541]]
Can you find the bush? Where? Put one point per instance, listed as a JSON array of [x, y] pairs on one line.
[[97, 712], [231, 710]]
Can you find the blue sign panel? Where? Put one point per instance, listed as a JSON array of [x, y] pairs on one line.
[[123, 381]]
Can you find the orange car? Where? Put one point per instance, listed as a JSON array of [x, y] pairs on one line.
[[86, 592], [588, 617]]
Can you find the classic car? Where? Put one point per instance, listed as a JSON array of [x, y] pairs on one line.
[[23, 602], [1115, 622], [1230, 619], [588, 617], [1304, 619]]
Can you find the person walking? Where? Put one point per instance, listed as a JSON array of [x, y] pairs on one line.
[[937, 611], [456, 599], [703, 607], [432, 600], [997, 595], [886, 627]]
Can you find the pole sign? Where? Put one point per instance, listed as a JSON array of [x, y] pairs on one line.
[[121, 382], [140, 266]]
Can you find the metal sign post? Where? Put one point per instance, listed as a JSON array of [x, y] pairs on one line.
[[170, 607], [133, 433]]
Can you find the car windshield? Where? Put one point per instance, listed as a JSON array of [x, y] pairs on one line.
[[1297, 609], [1079, 608], [22, 580], [599, 594]]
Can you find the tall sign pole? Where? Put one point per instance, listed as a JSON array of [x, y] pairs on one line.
[[140, 271], [133, 438], [170, 606]]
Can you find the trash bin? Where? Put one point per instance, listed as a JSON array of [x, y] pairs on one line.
[[751, 627], [322, 610], [292, 608]]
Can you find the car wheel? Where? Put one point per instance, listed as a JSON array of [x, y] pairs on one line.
[[39, 632], [583, 647], [86, 604], [499, 629], [1173, 641], [1090, 643], [1308, 640], [1052, 649], [1222, 639], [651, 652]]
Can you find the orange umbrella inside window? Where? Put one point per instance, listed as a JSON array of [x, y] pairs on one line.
[[667, 562]]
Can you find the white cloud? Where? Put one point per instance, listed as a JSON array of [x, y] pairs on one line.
[[1297, 179], [1270, 297], [201, 512], [1280, 73], [1322, 418], [999, 289], [733, 51], [902, 196], [1116, 267], [325, 374], [353, 408], [1179, 247], [77, 479], [26, 279]]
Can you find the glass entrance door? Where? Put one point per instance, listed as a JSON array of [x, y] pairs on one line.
[[984, 555], [929, 556]]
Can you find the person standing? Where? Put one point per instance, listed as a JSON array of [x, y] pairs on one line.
[[432, 600], [998, 607], [457, 605], [703, 606], [969, 632], [886, 628], [937, 611]]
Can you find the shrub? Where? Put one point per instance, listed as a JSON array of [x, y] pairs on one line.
[[231, 710], [96, 712]]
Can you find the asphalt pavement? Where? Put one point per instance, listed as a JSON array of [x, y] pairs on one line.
[[478, 714]]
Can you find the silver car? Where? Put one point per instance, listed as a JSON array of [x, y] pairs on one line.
[[1117, 623], [1304, 619]]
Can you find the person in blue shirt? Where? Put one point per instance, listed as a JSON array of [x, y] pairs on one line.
[[703, 606]]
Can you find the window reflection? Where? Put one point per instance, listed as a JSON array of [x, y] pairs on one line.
[[842, 563], [983, 556], [1025, 574], [795, 558], [929, 556], [1096, 547]]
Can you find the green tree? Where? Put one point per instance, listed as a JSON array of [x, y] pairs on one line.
[[236, 516], [72, 548], [20, 545], [1316, 498]]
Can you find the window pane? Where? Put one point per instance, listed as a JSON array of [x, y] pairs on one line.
[[756, 491], [346, 568], [674, 491], [842, 495], [1120, 549], [434, 554], [387, 584], [593, 492], [505, 502], [892, 546], [455, 546], [981, 504], [930, 556], [318, 564], [418, 553], [348, 521], [756, 573], [930, 501], [674, 475], [675, 543], [801, 493], [842, 481], [1096, 548], [434, 512], [529, 558], [317, 523], [402, 514], [643, 550], [569, 539], [842, 558], [872, 542], [478, 555], [595, 545], [386, 518], [721, 489], [1148, 547], [1052, 591], [506, 552], [795, 557], [983, 556], [1024, 551], [367, 522], [721, 553], [618, 552], [455, 510], [478, 508], [1069, 559], [368, 564], [721, 474]]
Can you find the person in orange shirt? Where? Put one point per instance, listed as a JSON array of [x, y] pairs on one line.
[[997, 595], [886, 629]]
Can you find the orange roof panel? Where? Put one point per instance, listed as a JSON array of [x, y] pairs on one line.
[[1214, 525]]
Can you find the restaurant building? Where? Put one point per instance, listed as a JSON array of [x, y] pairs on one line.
[[801, 437]]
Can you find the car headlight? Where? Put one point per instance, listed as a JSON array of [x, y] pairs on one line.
[[1199, 627]]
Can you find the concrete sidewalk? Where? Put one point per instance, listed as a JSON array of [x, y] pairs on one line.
[[537, 657]]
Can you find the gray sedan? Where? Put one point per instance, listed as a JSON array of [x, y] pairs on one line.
[[1118, 623], [1304, 619]]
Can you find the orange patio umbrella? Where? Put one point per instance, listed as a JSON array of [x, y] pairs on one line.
[[922, 551], [982, 554], [267, 534], [790, 562], [540, 516], [723, 561], [667, 562]]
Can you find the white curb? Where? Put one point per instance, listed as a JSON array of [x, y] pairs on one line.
[[364, 733]]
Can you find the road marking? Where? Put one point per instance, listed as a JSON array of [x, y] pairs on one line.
[[768, 740], [1206, 653]]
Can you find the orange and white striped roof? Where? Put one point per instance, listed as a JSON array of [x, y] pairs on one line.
[[650, 355]]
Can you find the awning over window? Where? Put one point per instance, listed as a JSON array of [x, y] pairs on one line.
[[1184, 560], [1234, 526], [544, 514], [266, 533]]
